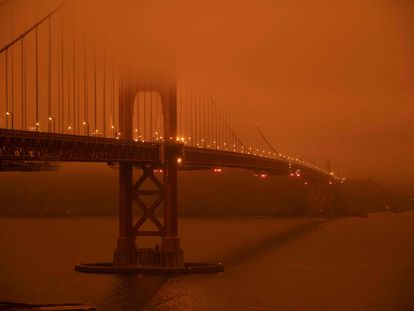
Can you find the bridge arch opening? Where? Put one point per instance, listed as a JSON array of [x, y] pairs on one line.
[[148, 118]]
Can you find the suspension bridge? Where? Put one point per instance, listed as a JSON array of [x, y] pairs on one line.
[[65, 96]]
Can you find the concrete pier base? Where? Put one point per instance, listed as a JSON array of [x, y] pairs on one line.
[[109, 268], [148, 257]]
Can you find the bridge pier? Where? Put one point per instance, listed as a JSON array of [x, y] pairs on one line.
[[126, 253], [321, 198]]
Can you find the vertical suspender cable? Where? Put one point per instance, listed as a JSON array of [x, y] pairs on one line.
[[37, 78], [216, 126], [194, 111], [58, 99], [180, 113], [194, 104], [94, 62], [209, 119], [6, 71], [144, 112], [12, 79], [49, 86], [151, 111], [85, 81], [78, 101], [62, 121], [203, 120], [227, 120], [198, 121], [69, 99], [196, 116], [113, 97], [77, 121], [22, 85], [157, 114], [74, 70], [12, 63], [136, 111], [104, 91], [199, 125], [188, 115], [179, 130]]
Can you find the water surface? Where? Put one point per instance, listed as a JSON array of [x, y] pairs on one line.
[[270, 263]]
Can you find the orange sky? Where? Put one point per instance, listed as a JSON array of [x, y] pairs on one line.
[[330, 79]]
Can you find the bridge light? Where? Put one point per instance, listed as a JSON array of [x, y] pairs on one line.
[[260, 175]]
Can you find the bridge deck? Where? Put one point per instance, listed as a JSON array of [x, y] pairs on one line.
[[16, 145]]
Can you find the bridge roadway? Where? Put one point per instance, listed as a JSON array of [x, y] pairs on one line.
[[17, 145]]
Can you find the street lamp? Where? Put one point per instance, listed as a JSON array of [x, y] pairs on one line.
[[36, 126], [52, 120], [86, 125], [9, 114]]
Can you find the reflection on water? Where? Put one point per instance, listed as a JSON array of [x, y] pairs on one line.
[[285, 264]]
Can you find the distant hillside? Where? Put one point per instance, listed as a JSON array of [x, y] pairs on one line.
[[93, 190]]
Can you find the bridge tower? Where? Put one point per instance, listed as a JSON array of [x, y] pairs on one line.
[[322, 195], [170, 253]]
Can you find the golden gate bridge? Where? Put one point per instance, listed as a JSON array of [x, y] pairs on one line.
[[65, 95]]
